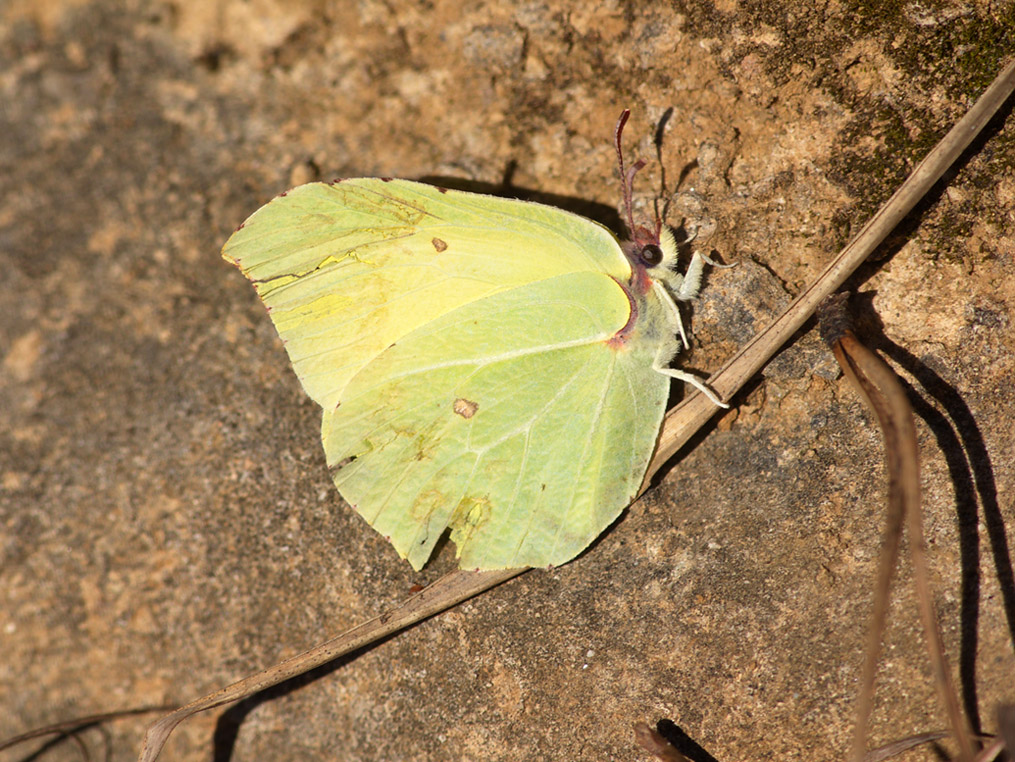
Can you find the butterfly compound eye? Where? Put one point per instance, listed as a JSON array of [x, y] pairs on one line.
[[651, 255]]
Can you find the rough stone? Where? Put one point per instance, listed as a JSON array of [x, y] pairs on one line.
[[167, 523]]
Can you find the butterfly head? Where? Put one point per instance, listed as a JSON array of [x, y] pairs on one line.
[[652, 251]]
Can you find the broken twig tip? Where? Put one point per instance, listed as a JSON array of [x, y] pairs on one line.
[[834, 318]]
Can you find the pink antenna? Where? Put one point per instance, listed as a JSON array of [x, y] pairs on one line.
[[639, 234]]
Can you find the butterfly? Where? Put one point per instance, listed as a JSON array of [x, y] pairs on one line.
[[489, 366]]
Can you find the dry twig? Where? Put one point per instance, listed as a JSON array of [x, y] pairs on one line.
[[881, 390]]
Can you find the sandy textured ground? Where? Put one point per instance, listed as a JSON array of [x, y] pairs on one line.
[[167, 520]]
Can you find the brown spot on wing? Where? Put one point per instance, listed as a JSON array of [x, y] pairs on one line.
[[465, 408], [439, 245]]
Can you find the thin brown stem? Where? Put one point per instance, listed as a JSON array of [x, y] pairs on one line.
[[72, 727], [881, 390], [448, 591]]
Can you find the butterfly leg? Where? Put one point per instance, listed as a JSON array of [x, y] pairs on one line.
[[685, 287], [687, 378], [676, 323], [690, 284]]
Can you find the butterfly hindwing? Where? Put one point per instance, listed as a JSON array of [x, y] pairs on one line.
[[525, 431]]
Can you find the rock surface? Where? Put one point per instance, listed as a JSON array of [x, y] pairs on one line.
[[168, 524]]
